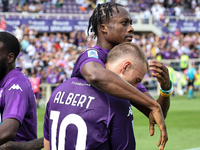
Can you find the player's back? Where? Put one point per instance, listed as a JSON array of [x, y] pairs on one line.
[[78, 116]]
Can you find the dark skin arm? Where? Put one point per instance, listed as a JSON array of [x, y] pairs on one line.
[[8, 130], [36, 144], [162, 75], [110, 83], [115, 87]]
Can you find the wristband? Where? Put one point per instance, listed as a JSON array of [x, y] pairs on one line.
[[164, 95], [167, 93]]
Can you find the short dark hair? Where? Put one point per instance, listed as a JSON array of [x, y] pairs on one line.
[[126, 49], [102, 11], [10, 43]]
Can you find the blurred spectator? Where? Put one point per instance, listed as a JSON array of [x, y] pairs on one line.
[[123, 2], [197, 12], [35, 83], [193, 4], [177, 10], [25, 43], [69, 69], [19, 32], [3, 24], [32, 7], [5, 5], [184, 62], [157, 10]]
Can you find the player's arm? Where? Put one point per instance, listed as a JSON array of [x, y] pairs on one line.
[[110, 83], [46, 144], [160, 71], [36, 144], [8, 129], [163, 101]]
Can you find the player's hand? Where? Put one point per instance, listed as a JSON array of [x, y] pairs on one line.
[[158, 116], [160, 71], [152, 122]]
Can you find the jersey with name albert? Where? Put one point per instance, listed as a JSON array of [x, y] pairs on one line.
[[78, 116], [17, 101]]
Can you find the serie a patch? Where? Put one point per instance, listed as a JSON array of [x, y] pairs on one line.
[[93, 53]]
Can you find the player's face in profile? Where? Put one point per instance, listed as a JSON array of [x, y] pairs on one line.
[[120, 26], [136, 73]]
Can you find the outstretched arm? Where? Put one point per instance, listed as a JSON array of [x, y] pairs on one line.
[[110, 83], [36, 144]]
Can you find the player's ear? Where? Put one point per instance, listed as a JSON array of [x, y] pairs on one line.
[[10, 57], [103, 28], [126, 66]]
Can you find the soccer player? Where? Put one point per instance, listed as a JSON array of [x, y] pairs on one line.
[[79, 116], [112, 25], [191, 72], [17, 102]]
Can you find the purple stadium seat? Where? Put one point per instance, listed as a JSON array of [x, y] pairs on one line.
[[53, 10], [58, 10], [64, 11]]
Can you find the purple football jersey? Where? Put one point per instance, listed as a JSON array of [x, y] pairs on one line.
[[78, 116], [96, 54], [17, 101]]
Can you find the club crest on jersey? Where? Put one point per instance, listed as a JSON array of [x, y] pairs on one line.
[[15, 87], [92, 53]]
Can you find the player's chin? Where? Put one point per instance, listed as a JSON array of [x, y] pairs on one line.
[[128, 39]]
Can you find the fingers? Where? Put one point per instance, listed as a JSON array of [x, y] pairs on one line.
[[151, 129], [162, 141], [158, 116], [158, 68], [159, 142], [160, 71]]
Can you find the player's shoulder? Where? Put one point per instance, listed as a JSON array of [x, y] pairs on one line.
[[18, 81], [90, 52], [90, 49], [70, 83]]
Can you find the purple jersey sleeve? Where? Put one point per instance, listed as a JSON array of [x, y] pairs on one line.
[[141, 88], [18, 101], [79, 115], [95, 54]]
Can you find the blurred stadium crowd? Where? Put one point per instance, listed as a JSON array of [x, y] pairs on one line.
[[144, 8], [51, 56]]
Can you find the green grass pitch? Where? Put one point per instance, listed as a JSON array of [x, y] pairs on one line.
[[183, 125]]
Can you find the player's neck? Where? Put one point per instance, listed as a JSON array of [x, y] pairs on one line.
[[9, 69], [104, 45]]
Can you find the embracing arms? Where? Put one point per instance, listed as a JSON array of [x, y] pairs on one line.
[[110, 83]]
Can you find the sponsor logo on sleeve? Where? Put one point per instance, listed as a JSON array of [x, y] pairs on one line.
[[92, 53], [15, 87]]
